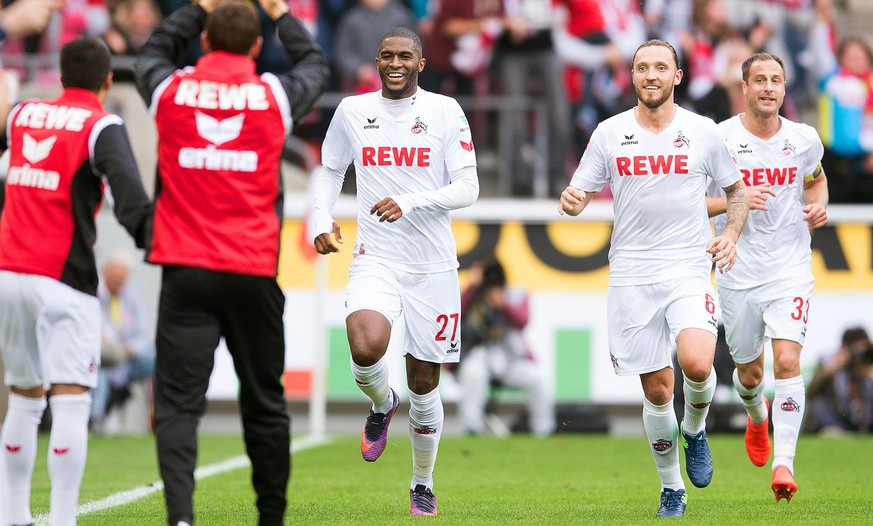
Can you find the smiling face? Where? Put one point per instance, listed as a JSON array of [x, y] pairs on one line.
[[399, 62], [764, 88], [655, 74]]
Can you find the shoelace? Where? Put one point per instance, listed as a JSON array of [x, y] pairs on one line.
[[670, 499], [423, 499], [374, 425]]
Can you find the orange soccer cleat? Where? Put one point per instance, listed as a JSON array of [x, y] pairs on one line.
[[758, 439], [783, 484]]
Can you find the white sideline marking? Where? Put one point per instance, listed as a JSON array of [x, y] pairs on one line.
[[126, 497]]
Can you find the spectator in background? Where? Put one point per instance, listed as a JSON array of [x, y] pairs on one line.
[[26, 17], [461, 43], [596, 39], [527, 65], [358, 34], [495, 353], [709, 46], [841, 390], [127, 350], [845, 109], [22, 18], [217, 227], [131, 24]]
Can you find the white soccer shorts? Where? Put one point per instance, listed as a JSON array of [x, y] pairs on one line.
[[775, 310], [430, 305], [645, 320], [49, 332]]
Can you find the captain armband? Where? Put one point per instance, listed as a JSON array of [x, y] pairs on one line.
[[814, 175]]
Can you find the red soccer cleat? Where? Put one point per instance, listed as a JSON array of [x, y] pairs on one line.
[[758, 439], [783, 484]]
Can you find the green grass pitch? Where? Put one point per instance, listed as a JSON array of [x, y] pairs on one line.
[[565, 479]]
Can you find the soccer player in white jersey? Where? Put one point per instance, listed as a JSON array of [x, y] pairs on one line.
[[657, 158], [766, 295], [414, 162]]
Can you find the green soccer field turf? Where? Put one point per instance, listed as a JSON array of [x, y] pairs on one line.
[[565, 479]]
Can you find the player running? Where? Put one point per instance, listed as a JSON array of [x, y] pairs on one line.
[[657, 158], [767, 294], [414, 161]]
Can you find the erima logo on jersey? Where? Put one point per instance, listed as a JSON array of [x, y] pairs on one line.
[[453, 348], [218, 132], [34, 151], [371, 124], [744, 148], [629, 139]]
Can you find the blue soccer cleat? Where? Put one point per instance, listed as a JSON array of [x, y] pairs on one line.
[[672, 503], [698, 462]]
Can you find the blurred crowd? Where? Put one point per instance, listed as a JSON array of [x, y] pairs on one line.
[[570, 55]]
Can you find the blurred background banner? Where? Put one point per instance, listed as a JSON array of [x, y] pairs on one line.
[[563, 265]]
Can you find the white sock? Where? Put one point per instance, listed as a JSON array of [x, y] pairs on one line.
[[373, 382], [425, 429], [19, 453], [698, 397], [788, 405], [753, 399], [662, 430], [68, 449]]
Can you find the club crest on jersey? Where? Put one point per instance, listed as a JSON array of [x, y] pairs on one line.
[[681, 140], [371, 124], [419, 126], [629, 139], [788, 148]]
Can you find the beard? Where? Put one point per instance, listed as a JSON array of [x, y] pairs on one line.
[[408, 87], [646, 100]]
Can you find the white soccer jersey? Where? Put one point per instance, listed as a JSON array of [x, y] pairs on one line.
[[659, 186], [399, 147], [775, 242]]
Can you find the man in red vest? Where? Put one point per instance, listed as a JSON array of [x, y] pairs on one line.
[[218, 203], [59, 153]]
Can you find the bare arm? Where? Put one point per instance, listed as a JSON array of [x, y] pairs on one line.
[[573, 201], [723, 247], [757, 200], [815, 194]]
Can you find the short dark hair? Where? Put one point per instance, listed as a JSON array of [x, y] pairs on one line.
[[660, 43], [84, 64], [493, 274], [233, 27], [760, 56], [404, 32], [854, 335]]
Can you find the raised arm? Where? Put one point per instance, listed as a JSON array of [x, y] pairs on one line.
[[158, 58], [308, 76]]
